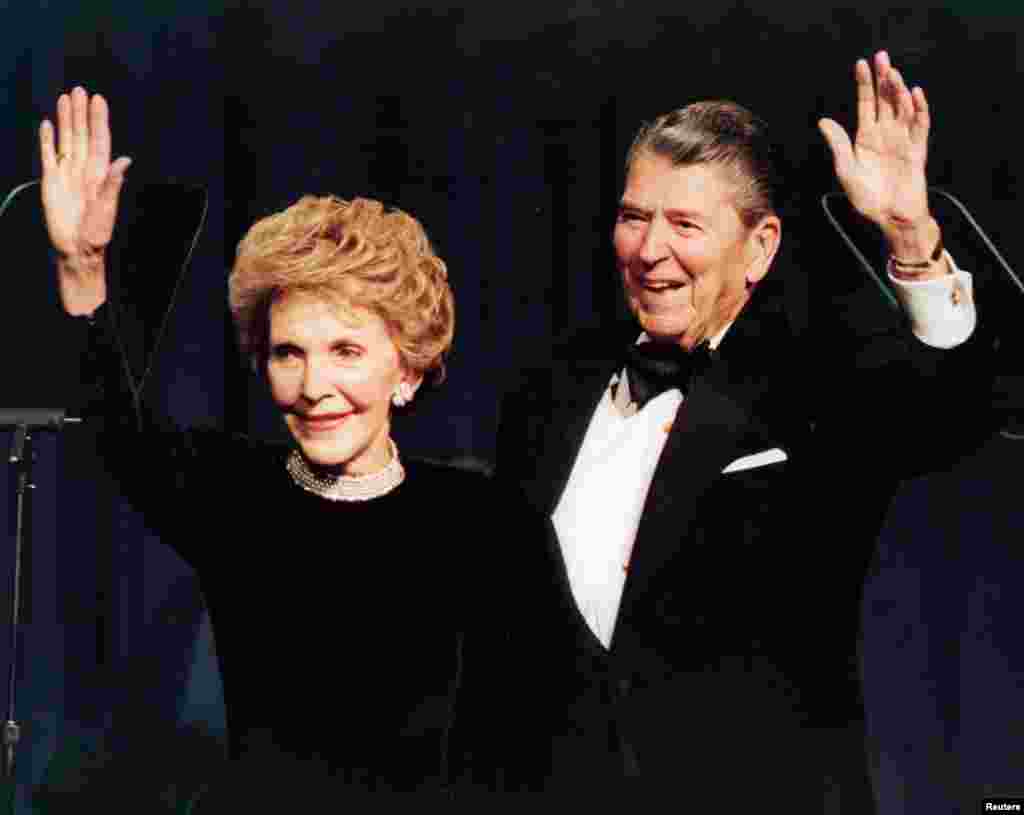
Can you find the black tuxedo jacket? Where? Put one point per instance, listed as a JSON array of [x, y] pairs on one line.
[[731, 674]]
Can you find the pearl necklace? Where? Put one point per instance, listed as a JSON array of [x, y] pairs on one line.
[[347, 487]]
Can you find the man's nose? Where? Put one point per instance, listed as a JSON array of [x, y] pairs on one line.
[[654, 248]]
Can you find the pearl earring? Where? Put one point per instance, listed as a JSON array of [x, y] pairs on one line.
[[402, 395]]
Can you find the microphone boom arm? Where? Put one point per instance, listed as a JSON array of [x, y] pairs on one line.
[[886, 291]]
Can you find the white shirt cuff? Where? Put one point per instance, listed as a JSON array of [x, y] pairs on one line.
[[941, 310]]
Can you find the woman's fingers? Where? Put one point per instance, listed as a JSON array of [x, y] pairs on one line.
[[99, 133], [64, 126], [47, 151], [115, 178], [79, 125]]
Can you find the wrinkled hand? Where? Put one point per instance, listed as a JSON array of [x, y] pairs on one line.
[[80, 187], [883, 171]]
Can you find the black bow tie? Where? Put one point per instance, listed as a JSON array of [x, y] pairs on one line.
[[655, 367]]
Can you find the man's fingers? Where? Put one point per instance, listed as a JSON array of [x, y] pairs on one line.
[[99, 131], [839, 144], [920, 101], [64, 124], [47, 153], [882, 63], [79, 125], [903, 104], [921, 120], [866, 109], [884, 87]]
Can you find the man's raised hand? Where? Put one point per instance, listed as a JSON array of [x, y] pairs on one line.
[[883, 170]]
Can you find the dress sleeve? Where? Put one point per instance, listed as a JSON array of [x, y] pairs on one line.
[[178, 479], [509, 622]]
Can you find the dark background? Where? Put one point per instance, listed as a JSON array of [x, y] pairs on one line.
[[503, 128]]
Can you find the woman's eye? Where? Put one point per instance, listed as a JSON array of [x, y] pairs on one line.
[[348, 352], [283, 352]]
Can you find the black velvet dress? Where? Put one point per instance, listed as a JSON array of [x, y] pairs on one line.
[[340, 625]]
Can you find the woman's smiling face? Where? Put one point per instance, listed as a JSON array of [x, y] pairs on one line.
[[332, 372]]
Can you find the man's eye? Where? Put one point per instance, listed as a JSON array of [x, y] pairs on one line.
[[285, 354]]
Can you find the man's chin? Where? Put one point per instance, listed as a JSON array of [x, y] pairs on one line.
[[661, 329]]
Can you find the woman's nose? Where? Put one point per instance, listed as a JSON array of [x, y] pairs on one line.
[[315, 381]]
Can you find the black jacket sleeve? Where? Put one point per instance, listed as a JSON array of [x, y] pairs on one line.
[[178, 479]]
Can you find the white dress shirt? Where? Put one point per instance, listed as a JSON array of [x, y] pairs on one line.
[[599, 512]]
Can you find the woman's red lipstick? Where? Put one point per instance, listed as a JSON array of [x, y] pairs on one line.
[[326, 421]]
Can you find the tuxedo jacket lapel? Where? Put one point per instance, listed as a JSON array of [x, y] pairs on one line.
[[706, 435], [575, 394], [566, 433], [719, 421], [716, 424], [580, 375]]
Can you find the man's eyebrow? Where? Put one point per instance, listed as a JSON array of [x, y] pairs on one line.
[[626, 204], [686, 213]]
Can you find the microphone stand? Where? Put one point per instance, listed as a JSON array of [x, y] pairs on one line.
[[22, 456]]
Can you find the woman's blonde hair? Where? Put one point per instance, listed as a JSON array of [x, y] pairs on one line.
[[356, 255]]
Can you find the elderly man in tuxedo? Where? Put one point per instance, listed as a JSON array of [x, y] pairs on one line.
[[692, 638]]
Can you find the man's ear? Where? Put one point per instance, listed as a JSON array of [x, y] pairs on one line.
[[765, 239]]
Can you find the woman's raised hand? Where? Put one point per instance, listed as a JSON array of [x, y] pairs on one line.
[[80, 191]]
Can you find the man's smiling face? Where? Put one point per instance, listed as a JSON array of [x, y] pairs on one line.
[[684, 253]]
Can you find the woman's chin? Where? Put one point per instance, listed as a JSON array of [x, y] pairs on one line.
[[324, 456]]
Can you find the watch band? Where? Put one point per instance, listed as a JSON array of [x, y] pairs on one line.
[[922, 264]]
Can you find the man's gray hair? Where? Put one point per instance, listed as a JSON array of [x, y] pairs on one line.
[[723, 133]]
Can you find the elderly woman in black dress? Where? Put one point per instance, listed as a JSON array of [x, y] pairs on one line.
[[334, 569]]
